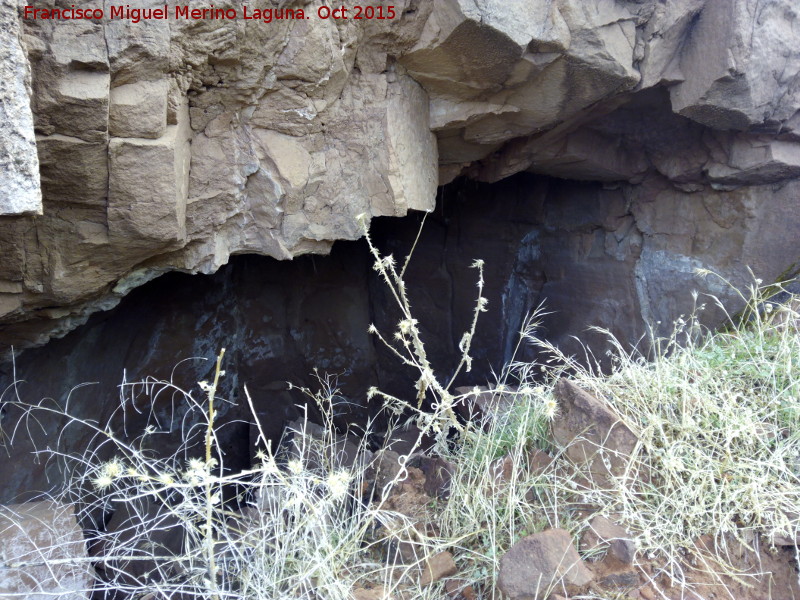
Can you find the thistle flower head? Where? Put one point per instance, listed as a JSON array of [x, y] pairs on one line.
[[406, 325], [102, 482], [338, 483], [195, 464], [268, 465], [113, 468], [550, 408]]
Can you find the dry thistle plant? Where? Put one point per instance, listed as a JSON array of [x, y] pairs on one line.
[[407, 345], [301, 527]]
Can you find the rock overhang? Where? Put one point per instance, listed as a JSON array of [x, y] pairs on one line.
[[172, 145]]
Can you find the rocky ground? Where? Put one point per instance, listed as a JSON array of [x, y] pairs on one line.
[[600, 558]]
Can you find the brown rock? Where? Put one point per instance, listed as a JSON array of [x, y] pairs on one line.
[[539, 462], [408, 498], [437, 567], [648, 593], [404, 440], [370, 594], [604, 534], [592, 433], [34, 533], [622, 579], [438, 475], [457, 589], [501, 471], [537, 564], [481, 403]]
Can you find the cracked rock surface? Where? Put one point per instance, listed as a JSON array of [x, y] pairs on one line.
[[171, 145]]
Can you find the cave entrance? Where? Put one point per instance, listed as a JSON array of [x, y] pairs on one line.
[[603, 255]]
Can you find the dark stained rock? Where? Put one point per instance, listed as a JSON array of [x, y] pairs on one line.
[[615, 257]]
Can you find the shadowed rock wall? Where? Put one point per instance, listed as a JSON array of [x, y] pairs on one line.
[[174, 144], [618, 258]]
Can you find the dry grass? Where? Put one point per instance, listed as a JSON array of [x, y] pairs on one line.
[[717, 416]]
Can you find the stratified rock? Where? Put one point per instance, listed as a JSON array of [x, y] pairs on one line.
[[19, 166], [739, 66], [284, 144], [148, 186], [139, 110], [541, 563], [38, 542], [296, 128]]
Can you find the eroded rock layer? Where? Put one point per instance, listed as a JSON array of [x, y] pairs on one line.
[[19, 165], [173, 144]]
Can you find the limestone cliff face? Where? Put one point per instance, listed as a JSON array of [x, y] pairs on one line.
[[174, 144]]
